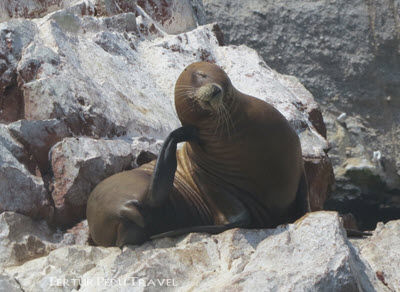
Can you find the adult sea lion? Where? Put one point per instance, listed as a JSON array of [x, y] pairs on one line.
[[241, 167]]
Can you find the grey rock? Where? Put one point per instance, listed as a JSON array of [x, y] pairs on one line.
[[312, 254], [22, 239], [21, 186], [8, 283], [348, 55], [27, 8], [145, 149], [39, 137], [15, 35], [78, 165], [381, 252]]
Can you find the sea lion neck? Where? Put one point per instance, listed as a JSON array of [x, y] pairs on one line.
[[220, 125]]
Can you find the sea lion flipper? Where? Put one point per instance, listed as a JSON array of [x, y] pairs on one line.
[[131, 211], [130, 233], [243, 221], [164, 172], [212, 229]]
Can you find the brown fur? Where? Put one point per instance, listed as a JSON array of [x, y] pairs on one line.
[[246, 171]]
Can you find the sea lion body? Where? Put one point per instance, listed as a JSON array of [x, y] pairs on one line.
[[245, 170]]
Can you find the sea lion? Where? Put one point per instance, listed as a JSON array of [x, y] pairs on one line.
[[241, 167]]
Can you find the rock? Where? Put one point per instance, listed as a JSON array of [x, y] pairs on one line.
[[145, 149], [87, 71], [39, 137], [104, 71], [22, 239], [21, 187], [9, 284], [348, 56], [98, 75], [381, 252], [78, 165], [62, 269], [311, 254], [364, 186], [174, 16], [14, 37], [27, 8], [79, 234]]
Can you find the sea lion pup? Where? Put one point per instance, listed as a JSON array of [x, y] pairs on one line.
[[243, 167]]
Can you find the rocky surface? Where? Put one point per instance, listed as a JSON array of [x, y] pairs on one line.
[[381, 251], [21, 186], [311, 254], [79, 164], [348, 55], [89, 70], [22, 239], [86, 90]]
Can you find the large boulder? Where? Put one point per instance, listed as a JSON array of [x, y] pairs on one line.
[[312, 254]]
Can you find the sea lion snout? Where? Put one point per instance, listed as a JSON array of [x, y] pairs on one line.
[[209, 91], [209, 96], [216, 90]]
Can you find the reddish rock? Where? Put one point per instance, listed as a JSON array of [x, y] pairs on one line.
[[320, 179], [78, 165]]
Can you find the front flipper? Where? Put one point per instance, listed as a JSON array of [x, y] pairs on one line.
[[163, 176]]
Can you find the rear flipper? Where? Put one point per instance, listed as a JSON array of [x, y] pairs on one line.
[[130, 233], [243, 221]]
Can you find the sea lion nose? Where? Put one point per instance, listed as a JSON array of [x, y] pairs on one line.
[[215, 90]]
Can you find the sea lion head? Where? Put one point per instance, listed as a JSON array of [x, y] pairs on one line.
[[202, 91]]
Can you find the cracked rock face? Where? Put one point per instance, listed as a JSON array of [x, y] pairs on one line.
[[348, 55], [311, 254]]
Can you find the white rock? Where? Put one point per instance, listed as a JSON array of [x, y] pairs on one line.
[[382, 252], [22, 239], [312, 254]]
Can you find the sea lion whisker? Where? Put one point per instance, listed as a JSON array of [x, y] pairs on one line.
[[230, 123], [227, 119], [219, 122]]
